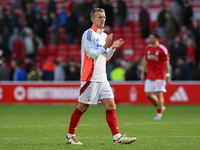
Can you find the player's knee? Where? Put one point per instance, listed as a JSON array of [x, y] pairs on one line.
[[83, 107], [160, 94], [148, 95], [110, 106]]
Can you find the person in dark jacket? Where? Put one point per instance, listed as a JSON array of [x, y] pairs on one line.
[[144, 21], [71, 27], [187, 14], [121, 13], [162, 20]]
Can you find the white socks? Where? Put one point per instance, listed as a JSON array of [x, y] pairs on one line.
[[70, 135], [117, 136]]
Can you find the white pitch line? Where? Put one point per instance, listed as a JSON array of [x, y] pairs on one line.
[[99, 124], [97, 137]]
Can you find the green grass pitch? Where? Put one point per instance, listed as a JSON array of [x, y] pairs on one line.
[[44, 127]]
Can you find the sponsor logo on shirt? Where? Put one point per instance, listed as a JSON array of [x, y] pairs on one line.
[[152, 57]]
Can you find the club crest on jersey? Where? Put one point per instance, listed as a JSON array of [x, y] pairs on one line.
[[157, 52]]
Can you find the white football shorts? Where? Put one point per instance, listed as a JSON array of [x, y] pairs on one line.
[[155, 86], [94, 92]]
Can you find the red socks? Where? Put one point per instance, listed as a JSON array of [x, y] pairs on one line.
[[75, 118], [159, 110], [111, 119]]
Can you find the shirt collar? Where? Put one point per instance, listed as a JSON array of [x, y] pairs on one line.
[[97, 30]]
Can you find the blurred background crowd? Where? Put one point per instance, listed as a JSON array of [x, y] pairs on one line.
[[40, 40]]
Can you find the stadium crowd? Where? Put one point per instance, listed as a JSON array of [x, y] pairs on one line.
[[25, 29]]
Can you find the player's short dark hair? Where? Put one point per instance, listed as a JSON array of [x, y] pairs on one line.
[[92, 13], [156, 35]]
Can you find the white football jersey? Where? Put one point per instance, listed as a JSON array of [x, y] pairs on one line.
[[94, 55]]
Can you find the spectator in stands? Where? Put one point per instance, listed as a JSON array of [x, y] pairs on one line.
[[170, 28], [187, 35], [177, 50], [48, 71], [131, 71], [162, 20], [19, 72], [59, 73], [109, 67], [183, 70], [176, 12], [34, 75], [36, 8], [144, 21], [22, 19], [13, 21], [4, 71], [29, 43], [18, 50], [107, 6], [22, 4], [40, 27], [196, 34], [28, 64], [190, 52], [187, 14], [71, 26], [72, 71], [30, 15], [121, 14], [82, 26], [53, 29], [97, 4], [118, 74], [3, 48], [4, 28], [63, 17], [195, 72], [51, 7]]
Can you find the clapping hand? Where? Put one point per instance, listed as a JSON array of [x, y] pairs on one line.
[[118, 43]]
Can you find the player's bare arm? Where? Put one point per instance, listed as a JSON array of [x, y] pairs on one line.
[[168, 79], [142, 76], [118, 43]]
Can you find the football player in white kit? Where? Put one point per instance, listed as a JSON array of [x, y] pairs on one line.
[[96, 50]]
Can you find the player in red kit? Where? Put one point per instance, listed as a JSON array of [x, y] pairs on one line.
[[158, 73]]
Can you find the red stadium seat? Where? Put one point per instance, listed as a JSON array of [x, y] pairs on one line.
[[138, 41], [63, 58], [62, 38], [52, 50], [51, 58], [129, 35], [63, 53], [62, 47], [73, 47], [42, 51], [127, 30], [116, 30], [127, 46], [139, 46]]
